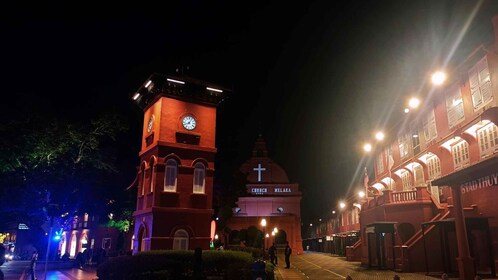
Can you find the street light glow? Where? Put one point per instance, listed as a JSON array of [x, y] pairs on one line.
[[438, 78], [342, 205], [367, 147], [414, 102], [361, 194], [407, 110], [263, 222], [275, 230], [379, 136]]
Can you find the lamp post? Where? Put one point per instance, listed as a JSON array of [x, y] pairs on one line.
[[263, 224]]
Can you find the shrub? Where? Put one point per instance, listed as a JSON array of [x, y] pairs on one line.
[[169, 264]]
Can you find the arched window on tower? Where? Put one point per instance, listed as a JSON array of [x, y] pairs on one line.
[[142, 168], [180, 241], [170, 175], [152, 176], [199, 177]]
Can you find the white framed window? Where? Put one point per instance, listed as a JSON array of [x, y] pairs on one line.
[[404, 145], [434, 165], [454, 106], [380, 163], [406, 180], [480, 84], [180, 240], [170, 175], [460, 152], [143, 179], [199, 178], [418, 171], [488, 139], [429, 125], [389, 157]]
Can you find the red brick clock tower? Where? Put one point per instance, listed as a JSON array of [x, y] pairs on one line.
[[175, 178]]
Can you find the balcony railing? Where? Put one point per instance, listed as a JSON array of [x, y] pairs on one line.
[[420, 194], [404, 196]]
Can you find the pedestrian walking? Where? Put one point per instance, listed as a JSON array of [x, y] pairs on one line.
[[32, 267], [273, 254], [288, 252]]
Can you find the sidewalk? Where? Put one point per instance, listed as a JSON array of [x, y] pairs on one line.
[[281, 273]]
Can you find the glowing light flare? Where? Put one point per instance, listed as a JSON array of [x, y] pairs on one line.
[[414, 102], [148, 83], [367, 147], [263, 222], [407, 110], [379, 136], [275, 230], [136, 96], [361, 194], [342, 205], [438, 78]]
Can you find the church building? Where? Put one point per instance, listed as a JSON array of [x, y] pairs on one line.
[[272, 203]]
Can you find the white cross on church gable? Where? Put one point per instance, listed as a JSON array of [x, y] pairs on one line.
[[259, 169]]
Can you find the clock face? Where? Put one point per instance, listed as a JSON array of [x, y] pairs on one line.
[[150, 124], [189, 122]]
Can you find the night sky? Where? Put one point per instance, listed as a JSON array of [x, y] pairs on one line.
[[315, 78]]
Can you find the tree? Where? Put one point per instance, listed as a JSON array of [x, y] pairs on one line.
[[49, 161]]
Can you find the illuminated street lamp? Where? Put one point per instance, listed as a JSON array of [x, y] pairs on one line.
[[361, 194], [414, 103], [379, 136], [342, 205], [438, 78], [263, 224], [367, 147]]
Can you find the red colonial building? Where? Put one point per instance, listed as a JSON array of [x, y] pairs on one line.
[[175, 177], [272, 197], [432, 204]]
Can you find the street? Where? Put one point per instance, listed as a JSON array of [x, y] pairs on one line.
[[317, 266], [14, 270]]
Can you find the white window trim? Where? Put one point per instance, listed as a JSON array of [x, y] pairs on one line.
[[180, 240], [460, 154], [199, 170], [429, 126], [480, 84], [487, 138], [434, 166], [173, 168], [454, 106]]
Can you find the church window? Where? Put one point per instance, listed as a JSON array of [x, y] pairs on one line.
[[488, 139], [199, 178], [170, 176], [180, 241], [480, 84], [460, 152]]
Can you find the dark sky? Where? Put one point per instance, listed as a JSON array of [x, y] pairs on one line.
[[315, 78]]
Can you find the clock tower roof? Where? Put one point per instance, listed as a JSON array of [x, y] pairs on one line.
[[178, 87]]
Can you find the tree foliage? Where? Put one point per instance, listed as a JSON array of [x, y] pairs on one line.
[[54, 162]]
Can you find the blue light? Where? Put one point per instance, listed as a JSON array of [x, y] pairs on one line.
[[57, 237]]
